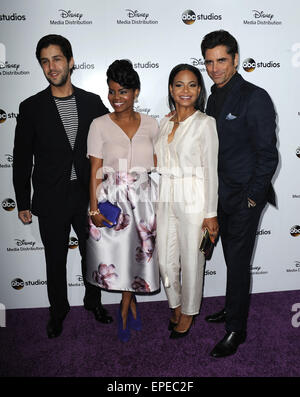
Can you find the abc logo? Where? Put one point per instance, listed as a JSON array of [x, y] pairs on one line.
[[8, 204], [298, 152], [73, 243], [188, 17], [17, 283], [3, 116], [249, 65], [295, 231]]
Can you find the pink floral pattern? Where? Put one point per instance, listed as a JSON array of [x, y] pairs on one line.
[[123, 258], [140, 285], [140, 255], [123, 178], [123, 221], [147, 233], [105, 275], [94, 231]]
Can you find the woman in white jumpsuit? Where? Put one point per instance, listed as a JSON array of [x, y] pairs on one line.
[[187, 152]]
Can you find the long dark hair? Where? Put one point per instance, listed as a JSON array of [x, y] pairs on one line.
[[200, 103]]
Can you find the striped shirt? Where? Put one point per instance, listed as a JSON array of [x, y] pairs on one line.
[[67, 110]]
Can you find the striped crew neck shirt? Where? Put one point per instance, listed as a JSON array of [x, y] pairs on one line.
[[67, 110]]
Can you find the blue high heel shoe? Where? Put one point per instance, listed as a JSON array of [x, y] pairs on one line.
[[134, 323], [123, 334]]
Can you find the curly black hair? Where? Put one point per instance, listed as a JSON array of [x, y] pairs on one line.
[[122, 72]]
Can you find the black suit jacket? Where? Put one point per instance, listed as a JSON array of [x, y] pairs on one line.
[[248, 156], [42, 151]]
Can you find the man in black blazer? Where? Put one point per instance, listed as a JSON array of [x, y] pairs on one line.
[[50, 150], [247, 162]]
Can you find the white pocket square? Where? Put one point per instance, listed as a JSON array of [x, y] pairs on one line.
[[230, 116]]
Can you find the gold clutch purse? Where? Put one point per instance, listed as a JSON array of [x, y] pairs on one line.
[[206, 245]]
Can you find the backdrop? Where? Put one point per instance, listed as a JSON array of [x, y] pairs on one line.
[[155, 35]]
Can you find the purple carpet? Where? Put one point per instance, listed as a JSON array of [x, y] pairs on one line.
[[89, 349]]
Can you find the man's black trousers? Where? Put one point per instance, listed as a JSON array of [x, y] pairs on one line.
[[55, 233], [238, 234]]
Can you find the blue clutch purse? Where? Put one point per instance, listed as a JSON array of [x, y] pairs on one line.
[[110, 211]]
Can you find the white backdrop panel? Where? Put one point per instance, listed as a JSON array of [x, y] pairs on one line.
[[155, 38]]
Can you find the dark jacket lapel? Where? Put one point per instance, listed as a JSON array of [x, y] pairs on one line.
[[80, 112], [231, 101]]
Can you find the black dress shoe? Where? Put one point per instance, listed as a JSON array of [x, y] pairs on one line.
[[218, 317], [100, 314], [229, 344], [55, 326]]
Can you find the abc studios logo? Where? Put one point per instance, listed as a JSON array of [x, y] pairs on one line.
[[298, 152], [249, 65], [295, 231], [3, 116], [188, 17], [17, 283], [73, 242], [8, 204]]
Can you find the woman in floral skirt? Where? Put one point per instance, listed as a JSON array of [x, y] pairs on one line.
[[120, 149]]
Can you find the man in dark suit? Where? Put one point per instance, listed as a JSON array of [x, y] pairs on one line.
[[52, 128], [248, 159]]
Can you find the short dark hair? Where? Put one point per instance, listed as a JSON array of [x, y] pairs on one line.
[[200, 103], [219, 37], [55, 39], [122, 72]]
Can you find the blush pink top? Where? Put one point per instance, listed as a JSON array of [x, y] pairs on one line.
[[107, 141]]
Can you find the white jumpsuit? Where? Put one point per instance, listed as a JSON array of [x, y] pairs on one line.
[[188, 193]]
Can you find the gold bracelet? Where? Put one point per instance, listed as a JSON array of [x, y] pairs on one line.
[[91, 213]]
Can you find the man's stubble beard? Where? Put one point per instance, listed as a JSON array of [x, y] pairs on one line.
[[62, 82]]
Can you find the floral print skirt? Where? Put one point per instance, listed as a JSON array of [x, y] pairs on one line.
[[123, 258]]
